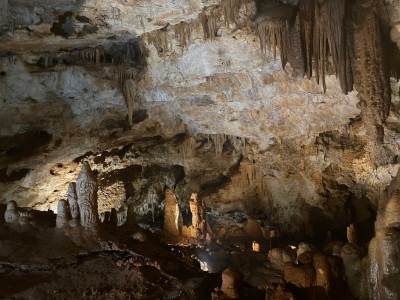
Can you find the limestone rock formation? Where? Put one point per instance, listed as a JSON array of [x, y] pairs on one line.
[[198, 225], [86, 187], [283, 115], [172, 215], [279, 257], [302, 276], [72, 199], [323, 276], [383, 268], [63, 214], [11, 214], [230, 284]]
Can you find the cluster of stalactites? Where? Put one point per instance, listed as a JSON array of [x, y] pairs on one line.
[[7, 60], [325, 39], [183, 33], [210, 23], [251, 175], [273, 35], [160, 40], [231, 9], [209, 19], [218, 141]]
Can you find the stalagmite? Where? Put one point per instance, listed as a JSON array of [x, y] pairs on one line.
[[172, 215], [62, 214], [122, 215], [351, 257], [278, 257], [322, 272], [73, 204], [230, 283], [11, 214], [255, 247], [86, 187], [384, 248], [351, 234], [198, 220], [301, 276]]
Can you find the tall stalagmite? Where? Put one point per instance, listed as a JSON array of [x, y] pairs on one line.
[[86, 187], [384, 248]]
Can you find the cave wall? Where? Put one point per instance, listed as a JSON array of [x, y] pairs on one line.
[[181, 84]]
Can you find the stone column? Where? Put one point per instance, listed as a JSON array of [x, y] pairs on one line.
[[172, 215], [62, 214], [86, 188], [11, 215], [72, 199]]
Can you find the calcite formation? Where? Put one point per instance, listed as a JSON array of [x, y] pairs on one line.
[[230, 284], [384, 248], [197, 229], [72, 199], [63, 214], [283, 116], [86, 187], [11, 214], [172, 215]]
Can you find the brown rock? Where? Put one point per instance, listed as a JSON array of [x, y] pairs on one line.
[[172, 215], [305, 258], [278, 257], [280, 293], [230, 283], [322, 271], [351, 234], [301, 276]]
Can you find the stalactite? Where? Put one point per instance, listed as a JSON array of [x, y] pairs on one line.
[[129, 90], [307, 21], [8, 60], [218, 141], [274, 34], [183, 33], [320, 32], [187, 147], [94, 55], [122, 74], [209, 21], [250, 176], [231, 9], [330, 40], [159, 39]]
